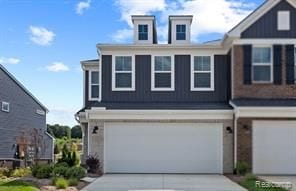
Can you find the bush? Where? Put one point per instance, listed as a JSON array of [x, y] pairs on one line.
[[63, 164], [59, 171], [93, 164], [73, 182], [250, 177], [4, 172], [241, 167], [21, 172], [76, 172], [61, 183], [42, 171]]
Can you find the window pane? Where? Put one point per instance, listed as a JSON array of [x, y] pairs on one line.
[[95, 91], [261, 73], [181, 28], [143, 32], [181, 36], [94, 77], [181, 32], [123, 63], [123, 80], [162, 80], [202, 63], [143, 36], [261, 55], [202, 80], [162, 63]]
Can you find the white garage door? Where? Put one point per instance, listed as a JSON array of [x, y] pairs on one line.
[[163, 148], [274, 147]]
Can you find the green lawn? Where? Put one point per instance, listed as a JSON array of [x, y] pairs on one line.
[[17, 185], [250, 184]]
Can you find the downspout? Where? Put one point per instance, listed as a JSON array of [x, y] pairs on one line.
[[235, 132]]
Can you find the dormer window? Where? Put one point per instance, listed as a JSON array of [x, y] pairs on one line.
[[181, 32], [143, 32]]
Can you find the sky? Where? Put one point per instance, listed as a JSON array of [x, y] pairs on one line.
[[43, 41]]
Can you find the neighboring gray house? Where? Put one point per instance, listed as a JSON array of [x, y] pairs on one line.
[[20, 112]]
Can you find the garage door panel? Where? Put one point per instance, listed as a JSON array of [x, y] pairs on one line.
[[163, 148], [274, 147]]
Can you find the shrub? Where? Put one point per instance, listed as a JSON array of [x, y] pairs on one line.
[[61, 183], [4, 172], [76, 172], [93, 164], [59, 171], [241, 167], [63, 164], [73, 182], [21, 172], [42, 171], [250, 177]]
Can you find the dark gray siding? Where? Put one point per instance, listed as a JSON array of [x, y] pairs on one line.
[[182, 93], [21, 118], [266, 26]]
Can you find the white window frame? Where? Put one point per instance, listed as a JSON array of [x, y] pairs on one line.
[[153, 72], [212, 72], [284, 20], [2, 106], [90, 98], [114, 88], [263, 64], [181, 32]]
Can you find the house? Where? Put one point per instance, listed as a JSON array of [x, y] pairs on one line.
[[22, 117], [195, 108]]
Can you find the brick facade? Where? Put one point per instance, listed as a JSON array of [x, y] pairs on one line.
[[260, 91]]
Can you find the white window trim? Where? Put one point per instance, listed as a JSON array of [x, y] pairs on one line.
[[90, 84], [2, 106], [283, 24], [182, 32], [263, 64], [212, 72], [114, 88], [143, 32], [172, 88]]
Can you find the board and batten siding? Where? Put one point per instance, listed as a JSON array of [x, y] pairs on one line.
[[182, 93], [21, 118], [266, 26]]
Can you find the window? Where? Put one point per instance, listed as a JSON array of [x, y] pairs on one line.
[[283, 20], [123, 74], [202, 77], [181, 32], [5, 106], [94, 85], [143, 32], [262, 64], [162, 74]]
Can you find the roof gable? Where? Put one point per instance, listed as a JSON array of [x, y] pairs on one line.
[[22, 87], [255, 15]]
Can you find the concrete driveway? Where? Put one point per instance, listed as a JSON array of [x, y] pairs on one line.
[[162, 182], [282, 179]]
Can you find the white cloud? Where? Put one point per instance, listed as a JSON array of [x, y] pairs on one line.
[[211, 16], [4, 60], [57, 67], [82, 6], [122, 35], [138, 7], [41, 36], [61, 115]]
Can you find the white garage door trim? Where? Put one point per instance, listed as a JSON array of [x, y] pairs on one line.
[[219, 169], [289, 132]]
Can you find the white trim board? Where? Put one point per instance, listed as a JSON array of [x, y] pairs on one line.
[[268, 112], [159, 114], [265, 41]]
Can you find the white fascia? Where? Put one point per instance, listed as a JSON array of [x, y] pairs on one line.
[[102, 114]]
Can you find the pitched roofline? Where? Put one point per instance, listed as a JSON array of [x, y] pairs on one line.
[[253, 17], [23, 87]]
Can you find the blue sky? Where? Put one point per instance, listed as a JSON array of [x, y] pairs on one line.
[[43, 41]]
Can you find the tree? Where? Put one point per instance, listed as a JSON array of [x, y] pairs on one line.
[[59, 131], [76, 132]]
